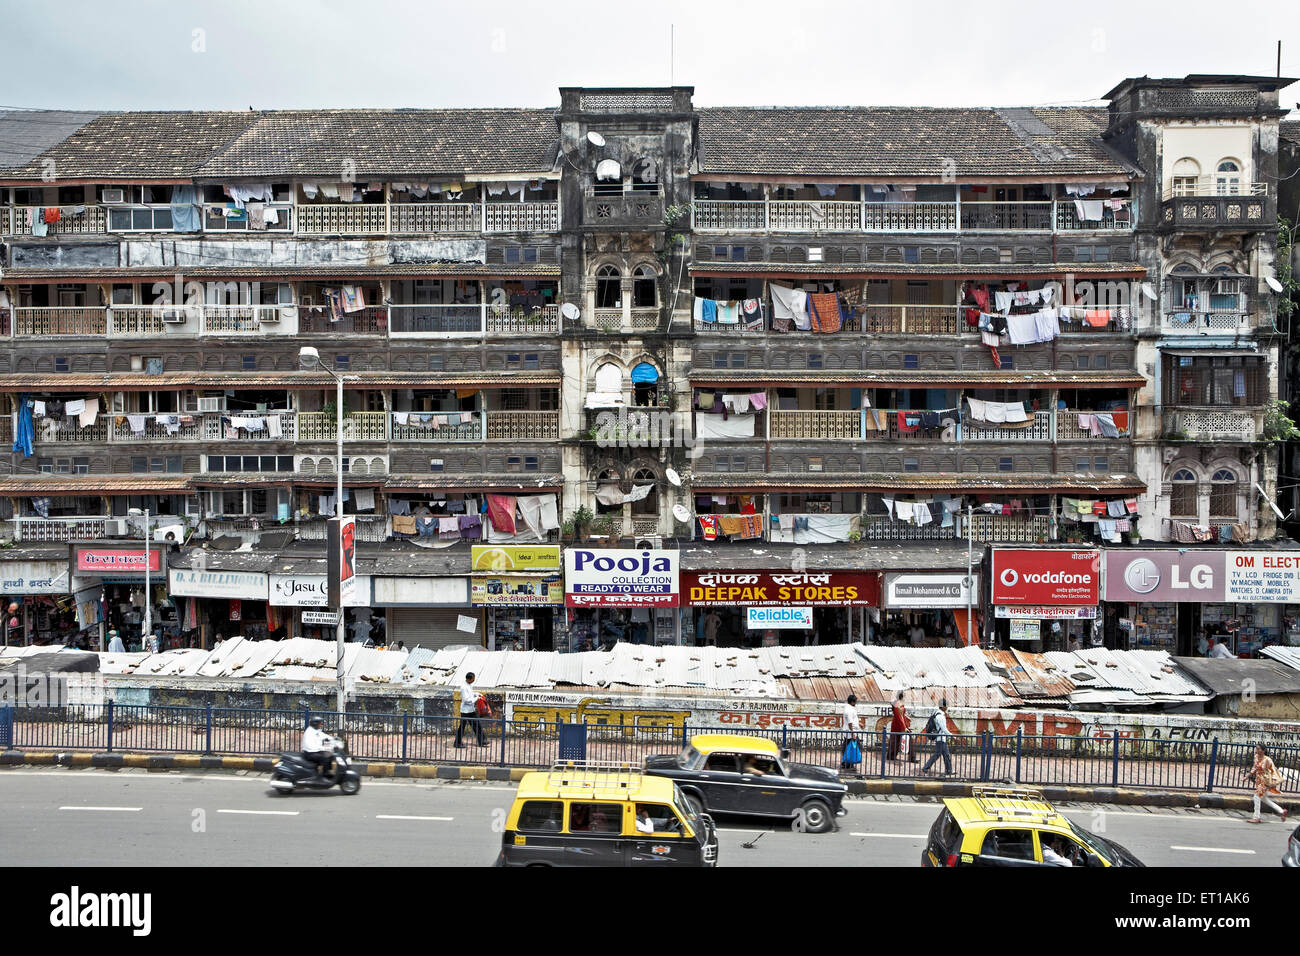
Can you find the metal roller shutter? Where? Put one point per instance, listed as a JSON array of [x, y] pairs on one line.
[[431, 626]]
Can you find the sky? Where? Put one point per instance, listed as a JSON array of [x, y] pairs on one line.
[[281, 54]]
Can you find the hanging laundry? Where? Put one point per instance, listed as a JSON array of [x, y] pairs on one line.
[[137, 423], [1131, 505], [728, 313], [471, 526], [792, 304], [365, 499], [501, 511], [1116, 509], [353, 298], [708, 527], [825, 312], [399, 507], [89, 412]]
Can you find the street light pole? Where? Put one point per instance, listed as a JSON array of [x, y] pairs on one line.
[[338, 505], [970, 579], [147, 633]]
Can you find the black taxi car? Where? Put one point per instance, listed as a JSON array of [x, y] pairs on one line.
[[590, 814], [731, 773]]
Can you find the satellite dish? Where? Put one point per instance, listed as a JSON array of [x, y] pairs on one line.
[[673, 477], [680, 513], [595, 139], [1149, 292], [570, 312], [1273, 283]]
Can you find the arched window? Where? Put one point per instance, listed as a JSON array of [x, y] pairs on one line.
[[645, 288], [1186, 176], [1227, 178], [608, 480], [649, 505], [645, 383], [609, 379], [1182, 498], [609, 288], [1223, 494]]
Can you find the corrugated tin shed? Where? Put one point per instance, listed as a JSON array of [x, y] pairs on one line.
[[1283, 654]]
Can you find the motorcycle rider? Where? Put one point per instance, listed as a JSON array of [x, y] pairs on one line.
[[318, 746]]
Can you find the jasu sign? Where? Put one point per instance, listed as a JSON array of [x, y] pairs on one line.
[[611, 577]]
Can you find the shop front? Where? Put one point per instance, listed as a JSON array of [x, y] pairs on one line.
[[119, 573], [521, 589], [614, 595], [830, 607], [929, 609], [1045, 599], [427, 612], [226, 604], [1189, 602], [290, 594], [41, 604]]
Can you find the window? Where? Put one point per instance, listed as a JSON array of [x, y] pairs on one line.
[[435, 363], [645, 293], [1182, 497], [1099, 361], [250, 363], [720, 360], [737, 253], [1227, 178], [722, 763], [737, 359], [342, 361], [61, 363], [595, 817], [609, 288], [1081, 465], [512, 253], [1186, 176], [1083, 361], [1223, 494], [911, 361], [1101, 463], [541, 815], [1005, 464], [815, 360], [911, 464], [1009, 844], [1008, 361], [662, 819], [435, 464]]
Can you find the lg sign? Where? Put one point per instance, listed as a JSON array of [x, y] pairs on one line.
[[1045, 576]]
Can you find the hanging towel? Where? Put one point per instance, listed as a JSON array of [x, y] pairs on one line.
[[903, 510], [708, 527], [978, 409], [137, 423], [89, 413], [1022, 329], [1107, 425], [1116, 509], [365, 499], [399, 507], [718, 426], [788, 303], [326, 506], [728, 313], [501, 511], [758, 400], [825, 312], [1131, 505], [530, 509], [922, 514]]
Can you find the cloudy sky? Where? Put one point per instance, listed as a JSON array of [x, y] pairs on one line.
[[233, 54]]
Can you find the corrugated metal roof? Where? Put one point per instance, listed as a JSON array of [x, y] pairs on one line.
[[1283, 654], [898, 668], [1146, 673], [1032, 676], [371, 665], [1234, 676]]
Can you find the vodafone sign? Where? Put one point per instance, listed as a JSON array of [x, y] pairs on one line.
[[1046, 576]]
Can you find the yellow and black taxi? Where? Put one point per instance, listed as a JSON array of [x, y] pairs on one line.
[[731, 773], [1015, 826], [583, 813]]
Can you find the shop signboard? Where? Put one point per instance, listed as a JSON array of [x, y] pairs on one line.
[[109, 560], [232, 585], [1263, 577], [762, 618], [515, 557], [36, 577], [781, 589], [321, 617], [1159, 576], [618, 577], [523, 590], [1054, 576], [1034, 612], [1023, 630], [929, 590], [298, 590]]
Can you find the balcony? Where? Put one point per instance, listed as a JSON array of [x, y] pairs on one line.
[[189, 428], [470, 321], [423, 218], [357, 426], [1010, 529], [523, 425], [1067, 425], [815, 424], [639, 208], [1210, 205], [374, 219], [1210, 187], [521, 217], [1038, 428], [68, 432], [637, 319], [370, 528], [90, 221], [885, 528], [837, 216], [43, 322], [58, 530], [1213, 424], [372, 320], [437, 426], [883, 319], [1192, 322]]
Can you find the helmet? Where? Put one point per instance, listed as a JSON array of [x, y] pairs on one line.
[[316, 722]]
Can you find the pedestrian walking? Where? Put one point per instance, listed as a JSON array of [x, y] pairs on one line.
[[850, 723], [898, 727], [469, 712], [1267, 780], [115, 645], [937, 730]]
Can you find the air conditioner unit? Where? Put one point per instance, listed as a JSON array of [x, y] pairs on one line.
[[285, 313], [170, 534], [652, 542], [115, 528], [112, 195], [212, 404], [174, 316]]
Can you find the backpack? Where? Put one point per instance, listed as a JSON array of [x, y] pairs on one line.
[[932, 726], [481, 707]]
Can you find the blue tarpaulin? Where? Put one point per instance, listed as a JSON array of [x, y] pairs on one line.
[[645, 372], [26, 431]]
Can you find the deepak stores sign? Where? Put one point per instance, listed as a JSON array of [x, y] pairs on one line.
[[621, 578], [1046, 576]]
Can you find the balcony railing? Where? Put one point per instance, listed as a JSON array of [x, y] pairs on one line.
[[1002, 216], [240, 319], [1210, 186], [368, 219], [194, 430], [216, 220], [465, 321], [68, 432], [58, 529], [809, 216], [1069, 220], [59, 320], [437, 426], [521, 217], [421, 218], [1213, 424], [342, 219], [508, 321], [883, 319], [1010, 529], [357, 426], [372, 320], [1185, 320], [527, 425], [1039, 429], [1067, 425], [370, 528], [1215, 211], [640, 207], [90, 221], [885, 528], [815, 424]]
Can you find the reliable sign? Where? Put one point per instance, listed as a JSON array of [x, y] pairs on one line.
[[1046, 576], [761, 618], [621, 578]]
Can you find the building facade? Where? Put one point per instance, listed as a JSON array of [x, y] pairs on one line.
[[824, 343]]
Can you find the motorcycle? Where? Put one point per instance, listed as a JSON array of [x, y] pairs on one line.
[[293, 771]]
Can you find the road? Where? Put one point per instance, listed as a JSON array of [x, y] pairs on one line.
[[84, 817]]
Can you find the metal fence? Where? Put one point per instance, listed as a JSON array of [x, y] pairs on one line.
[[1110, 761]]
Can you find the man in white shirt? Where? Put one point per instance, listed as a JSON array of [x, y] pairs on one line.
[[643, 822], [318, 746], [1220, 649], [469, 712], [115, 645], [850, 723], [937, 729]]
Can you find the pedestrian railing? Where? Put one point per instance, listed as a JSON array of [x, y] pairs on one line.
[[1106, 760]]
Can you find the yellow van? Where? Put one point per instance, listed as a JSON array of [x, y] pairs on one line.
[[591, 814]]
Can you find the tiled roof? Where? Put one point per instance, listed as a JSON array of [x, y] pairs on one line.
[[533, 483], [91, 484], [1290, 130], [884, 270], [329, 144], [894, 141], [529, 482], [341, 270], [131, 381], [883, 378], [143, 145], [913, 481], [386, 144], [25, 134], [851, 556]]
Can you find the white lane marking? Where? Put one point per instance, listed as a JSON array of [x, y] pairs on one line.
[[1156, 816], [893, 836], [108, 809], [264, 813], [743, 830], [1212, 849], [394, 816]]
